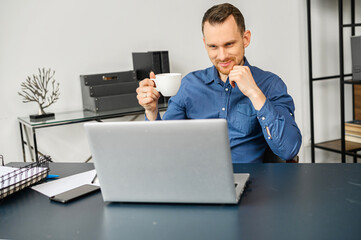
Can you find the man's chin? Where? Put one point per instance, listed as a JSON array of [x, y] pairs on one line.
[[224, 71]]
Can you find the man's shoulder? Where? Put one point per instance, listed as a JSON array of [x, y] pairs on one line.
[[271, 84], [202, 74], [267, 81], [260, 74]]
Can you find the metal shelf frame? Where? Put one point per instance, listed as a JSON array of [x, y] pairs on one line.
[[341, 77]]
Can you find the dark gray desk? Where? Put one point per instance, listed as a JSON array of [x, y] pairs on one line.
[[283, 201]]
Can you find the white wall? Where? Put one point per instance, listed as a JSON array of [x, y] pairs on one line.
[[89, 36]]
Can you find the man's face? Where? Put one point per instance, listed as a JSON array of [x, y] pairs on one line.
[[225, 45]]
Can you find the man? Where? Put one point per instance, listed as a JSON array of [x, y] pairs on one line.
[[255, 103]]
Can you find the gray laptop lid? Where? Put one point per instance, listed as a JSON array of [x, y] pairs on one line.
[[184, 161]]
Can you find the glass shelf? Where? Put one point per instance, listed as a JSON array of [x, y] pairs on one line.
[[83, 116]]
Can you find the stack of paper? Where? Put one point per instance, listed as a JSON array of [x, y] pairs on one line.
[[14, 179]]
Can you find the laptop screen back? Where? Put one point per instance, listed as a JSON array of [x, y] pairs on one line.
[[163, 161]]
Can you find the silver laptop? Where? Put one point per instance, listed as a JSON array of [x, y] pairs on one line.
[[178, 161]]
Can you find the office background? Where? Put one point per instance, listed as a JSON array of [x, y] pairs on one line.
[[89, 36]]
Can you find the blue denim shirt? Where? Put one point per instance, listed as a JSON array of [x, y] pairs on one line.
[[204, 95]]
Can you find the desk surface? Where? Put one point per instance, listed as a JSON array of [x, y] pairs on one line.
[[283, 201]]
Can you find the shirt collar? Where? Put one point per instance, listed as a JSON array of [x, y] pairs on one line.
[[246, 63], [213, 73]]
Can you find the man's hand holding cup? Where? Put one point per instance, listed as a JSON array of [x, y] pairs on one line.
[[148, 96]]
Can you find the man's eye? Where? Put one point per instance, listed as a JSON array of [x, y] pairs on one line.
[[229, 44]]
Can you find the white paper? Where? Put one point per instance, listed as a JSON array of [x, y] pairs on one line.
[[11, 175], [64, 184]]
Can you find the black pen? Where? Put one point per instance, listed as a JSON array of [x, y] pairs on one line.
[[95, 177]]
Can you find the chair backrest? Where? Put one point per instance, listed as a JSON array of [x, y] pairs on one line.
[[270, 157]]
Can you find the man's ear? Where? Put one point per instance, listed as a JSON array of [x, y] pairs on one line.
[[204, 42], [246, 38]]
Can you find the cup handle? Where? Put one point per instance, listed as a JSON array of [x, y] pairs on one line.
[[155, 83]]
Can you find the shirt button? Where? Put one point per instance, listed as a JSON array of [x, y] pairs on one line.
[[263, 118], [226, 89], [223, 109], [291, 114]]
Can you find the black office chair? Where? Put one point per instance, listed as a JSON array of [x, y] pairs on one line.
[[270, 157]]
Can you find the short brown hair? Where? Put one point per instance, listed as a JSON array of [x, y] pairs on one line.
[[219, 13]]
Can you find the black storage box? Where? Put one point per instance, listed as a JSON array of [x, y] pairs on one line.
[[109, 91], [108, 78], [108, 103], [114, 89], [145, 62]]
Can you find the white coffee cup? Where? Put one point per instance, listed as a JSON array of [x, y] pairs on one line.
[[168, 83]]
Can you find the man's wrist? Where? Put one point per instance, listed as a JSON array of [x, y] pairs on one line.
[[258, 99], [151, 115]]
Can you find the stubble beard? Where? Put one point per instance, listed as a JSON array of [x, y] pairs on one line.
[[225, 71]]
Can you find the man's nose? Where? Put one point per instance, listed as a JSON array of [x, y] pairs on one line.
[[222, 54]]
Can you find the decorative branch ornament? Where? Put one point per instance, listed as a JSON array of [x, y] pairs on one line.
[[35, 89]]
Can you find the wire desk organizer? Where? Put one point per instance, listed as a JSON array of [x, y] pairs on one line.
[[23, 177]]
